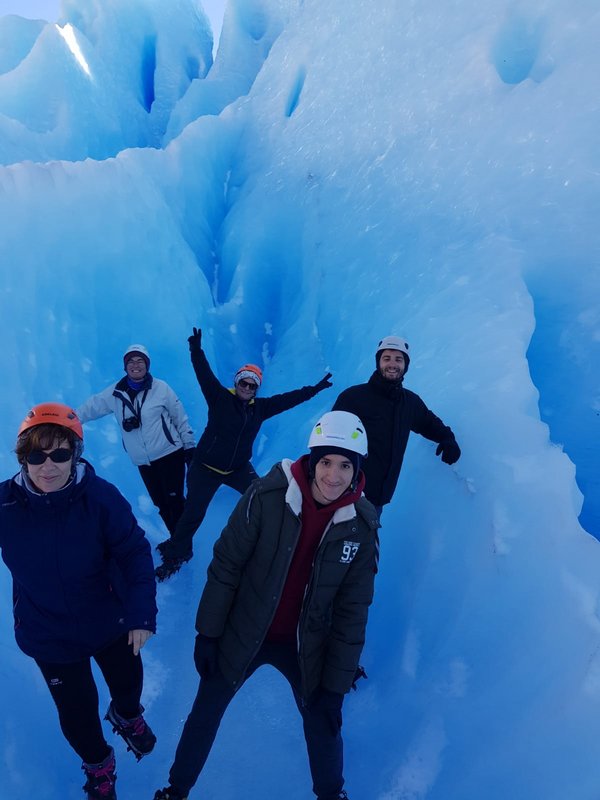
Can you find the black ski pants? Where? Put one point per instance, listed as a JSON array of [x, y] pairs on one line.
[[322, 730], [164, 479], [202, 485], [74, 691]]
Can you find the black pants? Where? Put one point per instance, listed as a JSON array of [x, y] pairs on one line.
[[321, 732], [74, 691], [202, 484], [164, 479]]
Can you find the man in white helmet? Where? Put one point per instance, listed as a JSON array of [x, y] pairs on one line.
[[390, 412], [289, 585]]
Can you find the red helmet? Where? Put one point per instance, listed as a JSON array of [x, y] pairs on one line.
[[249, 371], [52, 414]]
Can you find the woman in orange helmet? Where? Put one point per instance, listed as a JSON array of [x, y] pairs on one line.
[[83, 587]]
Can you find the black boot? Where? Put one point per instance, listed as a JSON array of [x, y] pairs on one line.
[[169, 793], [135, 731], [101, 779]]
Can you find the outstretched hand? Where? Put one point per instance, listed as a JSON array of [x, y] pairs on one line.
[[324, 383], [195, 339], [449, 450]]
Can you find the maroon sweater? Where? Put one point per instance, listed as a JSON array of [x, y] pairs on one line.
[[314, 518]]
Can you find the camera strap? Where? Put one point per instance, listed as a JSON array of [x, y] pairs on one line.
[[134, 407]]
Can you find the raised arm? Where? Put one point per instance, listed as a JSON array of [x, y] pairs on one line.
[[282, 402], [209, 384]]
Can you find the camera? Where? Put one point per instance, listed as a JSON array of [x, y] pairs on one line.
[[130, 424]]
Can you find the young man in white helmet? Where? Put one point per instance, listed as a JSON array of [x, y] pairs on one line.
[[154, 427], [390, 412], [289, 585]]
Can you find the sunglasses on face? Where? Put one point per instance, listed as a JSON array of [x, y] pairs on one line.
[[60, 456], [248, 385]]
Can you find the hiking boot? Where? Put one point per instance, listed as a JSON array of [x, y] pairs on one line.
[[101, 779], [162, 546], [170, 566], [136, 733], [169, 793]]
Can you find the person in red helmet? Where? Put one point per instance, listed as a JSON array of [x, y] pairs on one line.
[[83, 588], [223, 454]]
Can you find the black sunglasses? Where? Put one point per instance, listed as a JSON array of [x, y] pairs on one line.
[[60, 456], [247, 385]]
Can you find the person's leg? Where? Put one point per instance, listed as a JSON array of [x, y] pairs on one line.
[[164, 479], [201, 726], [322, 727], [123, 673], [323, 735], [124, 676], [199, 732], [76, 697], [202, 484], [241, 479]]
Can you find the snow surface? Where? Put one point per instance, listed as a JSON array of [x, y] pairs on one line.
[[345, 170]]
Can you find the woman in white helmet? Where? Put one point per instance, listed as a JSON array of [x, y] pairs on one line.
[[155, 430], [289, 585]]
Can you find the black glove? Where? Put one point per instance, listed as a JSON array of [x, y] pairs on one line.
[[195, 339], [188, 455], [206, 655], [360, 673], [449, 450], [324, 383]]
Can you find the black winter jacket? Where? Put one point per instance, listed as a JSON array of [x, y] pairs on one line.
[[233, 425], [249, 568], [389, 413]]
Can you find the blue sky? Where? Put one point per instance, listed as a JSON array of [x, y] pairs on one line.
[[50, 9]]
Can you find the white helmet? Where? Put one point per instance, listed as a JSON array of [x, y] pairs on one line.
[[393, 343], [339, 429], [137, 348]]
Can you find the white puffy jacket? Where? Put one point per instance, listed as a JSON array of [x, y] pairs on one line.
[[164, 424]]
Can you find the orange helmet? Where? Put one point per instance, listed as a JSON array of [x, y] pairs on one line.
[[249, 371], [52, 414]]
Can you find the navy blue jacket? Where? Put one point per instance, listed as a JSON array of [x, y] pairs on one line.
[[81, 567], [389, 413], [233, 425]]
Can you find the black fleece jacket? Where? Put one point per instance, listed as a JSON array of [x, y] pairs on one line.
[[233, 425], [389, 413]]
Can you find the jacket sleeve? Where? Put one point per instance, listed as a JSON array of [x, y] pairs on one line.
[[96, 406], [180, 419], [127, 545], [425, 423], [349, 620], [209, 384], [231, 553], [270, 406]]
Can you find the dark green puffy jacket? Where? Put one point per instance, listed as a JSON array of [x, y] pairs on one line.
[[246, 576]]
